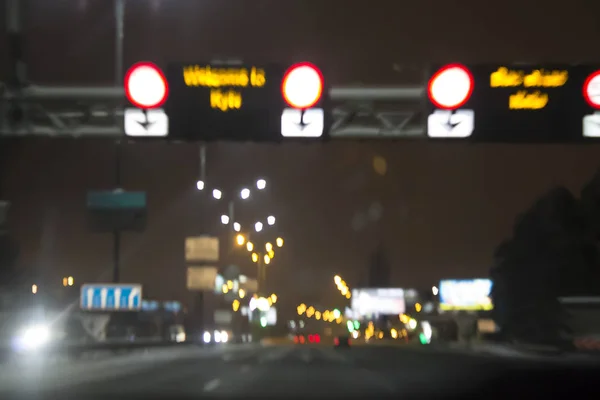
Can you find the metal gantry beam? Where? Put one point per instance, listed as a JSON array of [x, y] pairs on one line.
[[359, 112]]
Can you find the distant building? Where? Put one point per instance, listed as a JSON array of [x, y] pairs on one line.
[[379, 273]]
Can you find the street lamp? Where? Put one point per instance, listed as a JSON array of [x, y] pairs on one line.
[[268, 246], [261, 184], [279, 242], [240, 239], [224, 219], [271, 220], [250, 246], [258, 226], [217, 194], [245, 193], [200, 185], [237, 227]]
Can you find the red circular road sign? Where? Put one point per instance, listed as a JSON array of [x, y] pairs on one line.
[[450, 87], [591, 90], [146, 86], [302, 85]]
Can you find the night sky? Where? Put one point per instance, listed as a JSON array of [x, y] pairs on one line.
[[444, 206]]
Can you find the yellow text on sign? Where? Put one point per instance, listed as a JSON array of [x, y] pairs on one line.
[[523, 99], [225, 83]]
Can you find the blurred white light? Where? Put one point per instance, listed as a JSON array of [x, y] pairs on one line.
[[217, 194], [271, 220], [263, 304], [434, 290], [33, 337], [245, 193], [261, 184], [217, 336], [206, 337], [224, 219], [224, 337], [237, 227], [258, 226], [200, 185]]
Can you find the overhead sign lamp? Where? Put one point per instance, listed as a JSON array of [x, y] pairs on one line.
[[591, 90], [302, 86], [450, 87], [146, 86]]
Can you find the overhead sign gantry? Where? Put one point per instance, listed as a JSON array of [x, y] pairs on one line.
[[515, 103], [274, 103], [223, 102]]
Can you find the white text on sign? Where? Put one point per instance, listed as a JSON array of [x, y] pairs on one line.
[[527, 98], [225, 83]]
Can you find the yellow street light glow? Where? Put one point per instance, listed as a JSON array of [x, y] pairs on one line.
[[240, 239], [267, 259], [271, 254], [279, 242], [269, 247], [274, 298], [337, 279], [242, 293], [249, 246], [229, 285], [254, 257]]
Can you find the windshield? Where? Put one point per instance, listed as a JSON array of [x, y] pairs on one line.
[[249, 197]]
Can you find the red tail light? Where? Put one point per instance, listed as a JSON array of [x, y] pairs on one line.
[[310, 338], [301, 339], [296, 340], [317, 339], [336, 341]]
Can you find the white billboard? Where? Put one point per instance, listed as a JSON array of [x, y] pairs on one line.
[[201, 278], [202, 248], [374, 302], [466, 294]]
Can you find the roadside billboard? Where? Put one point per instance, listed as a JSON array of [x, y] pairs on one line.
[[201, 278], [465, 294], [201, 249], [375, 302]]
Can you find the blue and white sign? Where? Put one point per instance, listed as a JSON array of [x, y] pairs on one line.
[[111, 297]]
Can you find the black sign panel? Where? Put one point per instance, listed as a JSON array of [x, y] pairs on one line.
[[529, 103], [216, 102]]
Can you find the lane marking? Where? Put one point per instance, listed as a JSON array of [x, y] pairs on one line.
[[212, 385]]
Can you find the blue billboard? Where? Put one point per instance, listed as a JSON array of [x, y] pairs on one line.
[[111, 297], [466, 294]]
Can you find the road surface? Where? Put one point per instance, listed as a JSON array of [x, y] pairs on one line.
[[243, 370]]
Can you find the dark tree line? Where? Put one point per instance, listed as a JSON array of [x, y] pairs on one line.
[[553, 252]]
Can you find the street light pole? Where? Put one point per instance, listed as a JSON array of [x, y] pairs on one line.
[[119, 37]]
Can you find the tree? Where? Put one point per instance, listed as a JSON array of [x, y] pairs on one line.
[[551, 254]]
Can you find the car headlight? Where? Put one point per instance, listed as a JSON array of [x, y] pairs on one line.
[[206, 337], [224, 337], [32, 337]]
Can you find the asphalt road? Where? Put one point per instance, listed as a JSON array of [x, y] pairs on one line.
[[237, 371]]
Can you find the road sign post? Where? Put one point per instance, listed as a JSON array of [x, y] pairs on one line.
[[111, 297]]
